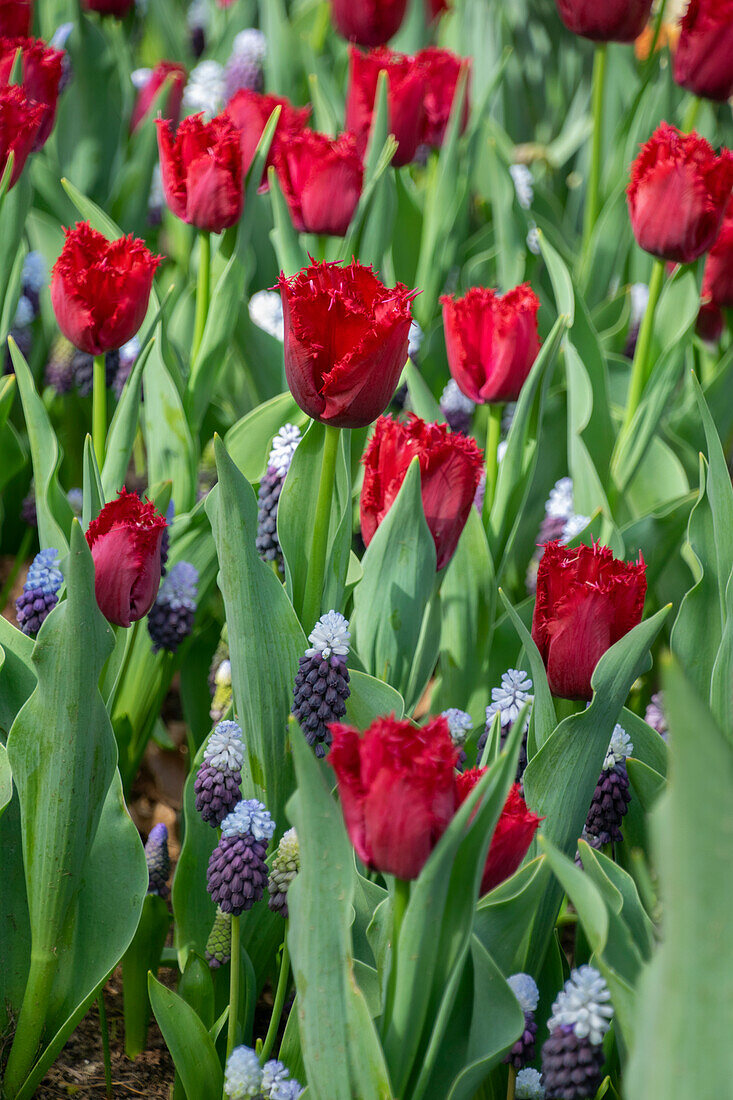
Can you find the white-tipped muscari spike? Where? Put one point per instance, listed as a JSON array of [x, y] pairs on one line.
[[584, 1004], [524, 988], [329, 635], [619, 748], [225, 750]]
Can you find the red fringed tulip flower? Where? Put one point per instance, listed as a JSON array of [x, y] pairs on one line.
[[441, 70], [321, 179], [345, 341], [201, 170], [368, 22], [21, 119], [397, 788], [703, 62], [710, 323], [118, 8], [100, 289], [677, 195], [249, 111], [450, 470], [717, 278], [607, 20], [41, 68], [125, 542], [512, 836], [171, 106], [491, 341], [586, 601], [405, 94], [16, 18]]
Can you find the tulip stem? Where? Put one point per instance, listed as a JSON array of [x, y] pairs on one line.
[[658, 22], [234, 969], [639, 368], [99, 408], [319, 545], [594, 177], [277, 1008], [400, 901], [493, 438], [203, 291]]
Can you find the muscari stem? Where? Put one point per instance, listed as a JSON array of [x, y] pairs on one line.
[[277, 1008], [234, 971], [203, 291], [511, 1083], [104, 1028], [400, 901], [493, 437], [99, 409], [319, 545], [594, 178], [640, 366]]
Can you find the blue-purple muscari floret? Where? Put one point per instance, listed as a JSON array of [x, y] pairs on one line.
[[244, 69], [158, 860], [217, 784], [277, 1084], [268, 498], [507, 700], [524, 988], [243, 1075], [655, 716], [40, 592], [322, 682], [456, 407], [572, 1057], [611, 796], [237, 872], [75, 498], [528, 1085], [170, 619]]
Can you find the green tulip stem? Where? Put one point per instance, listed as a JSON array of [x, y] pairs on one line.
[[104, 1028], [640, 366], [400, 901], [203, 292], [277, 1008], [511, 1083], [99, 409], [493, 438], [691, 112], [235, 966], [594, 177], [319, 545]]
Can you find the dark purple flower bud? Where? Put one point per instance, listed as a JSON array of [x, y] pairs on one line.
[[158, 860], [322, 683], [237, 872], [268, 497], [612, 794], [170, 619], [28, 508], [525, 990], [40, 592], [572, 1058], [217, 783], [82, 365]]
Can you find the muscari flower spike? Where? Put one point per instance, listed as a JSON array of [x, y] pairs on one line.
[[204, 91], [285, 866], [266, 311], [456, 407], [277, 1084], [237, 872], [268, 497], [460, 725], [245, 66], [170, 619], [219, 943], [528, 1085], [217, 782], [507, 700], [59, 374], [572, 1057], [82, 369], [524, 988], [322, 682], [655, 716], [40, 592], [612, 794], [158, 860], [243, 1075]]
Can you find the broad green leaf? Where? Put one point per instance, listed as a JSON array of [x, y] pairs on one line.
[[190, 1044], [17, 675], [92, 492], [504, 916], [6, 778], [369, 699], [648, 784], [168, 442], [291, 256], [122, 430], [543, 718]]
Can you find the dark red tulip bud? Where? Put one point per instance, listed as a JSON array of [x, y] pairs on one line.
[[368, 22], [703, 60], [406, 88], [41, 68], [16, 18], [201, 170], [441, 70], [513, 834], [21, 119], [608, 21], [321, 178], [171, 106]]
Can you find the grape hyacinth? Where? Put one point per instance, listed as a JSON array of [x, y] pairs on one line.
[[277, 1084], [572, 1057], [198, 18], [655, 716], [237, 872], [33, 280], [561, 522], [415, 338], [40, 592], [219, 943], [59, 372], [612, 795], [216, 787], [460, 725], [204, 91], [158, 860], [507, 700], [82, 366], [243, 1075], [524, 988], [281, 455], [528, 1085], [322, 683], [266, 311], [456, 407], [28, 508], [127, 356], [170, 619], [245, 67], [285, 866], [75, 498]]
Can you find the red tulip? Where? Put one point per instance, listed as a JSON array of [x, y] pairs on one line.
[[710, 322], [16, 18], [405, 93], [717, 278], [512, 836], [397, 788], [41, 68], [368, 22], [345, 341], [491, 341], [703, 62], [677, 195], [441, 69], [434, 8], [586, 600], [608, 21], [321, 179], [125, 541], [201, 169], [118, 8], [450, 470], [100, 289], [21, 119], [249, 111], [171, 106]]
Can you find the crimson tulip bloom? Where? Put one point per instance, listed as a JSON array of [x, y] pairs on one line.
[[703, 61], [171, 107], [608, 21], [491, 341], [346, 340], [450, 470], [710, 322], [586, 600], [368, 22], [125, 541], [321, 178], [250, 111], [717, 278], [16, 18], [118, 8], [441, 70], [434, 8], [512, 836], [100, 289], [21, 119], [677, 195], [397, 787], [201, 170], [41, 68], [406, 87]]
